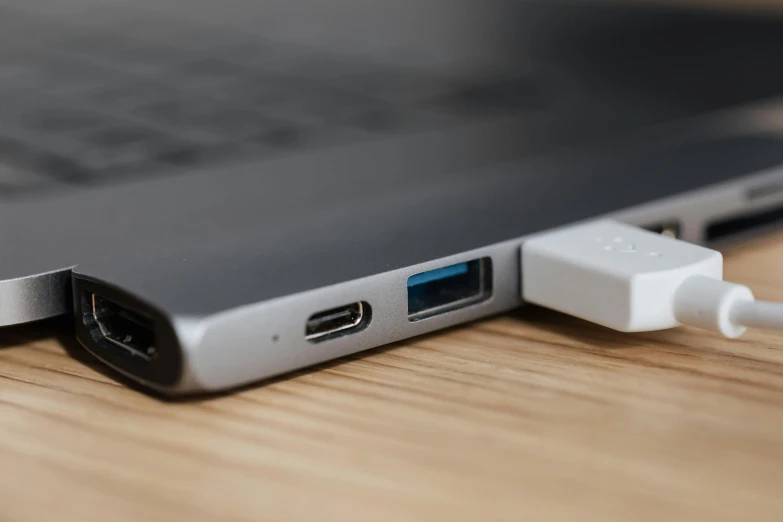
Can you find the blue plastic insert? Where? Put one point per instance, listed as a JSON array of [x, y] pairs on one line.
[[437, 274]]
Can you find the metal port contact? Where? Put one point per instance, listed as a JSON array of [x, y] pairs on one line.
[[123, 328], [669, 228], [336, 322]]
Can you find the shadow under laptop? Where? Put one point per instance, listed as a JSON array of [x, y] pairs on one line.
[[578, 336], [586, 332], [548, 325], [34, 332], [62, 331], [59, 330], [539, 325], [565, 332]]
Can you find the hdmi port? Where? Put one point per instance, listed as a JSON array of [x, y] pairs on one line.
[[122, 328], [337, 322]]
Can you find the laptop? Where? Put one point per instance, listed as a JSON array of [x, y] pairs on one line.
[[222, 192]]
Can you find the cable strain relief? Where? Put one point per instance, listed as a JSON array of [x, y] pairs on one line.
[[706, 302]]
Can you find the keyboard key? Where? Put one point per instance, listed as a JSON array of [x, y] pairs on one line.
[[207, 121], [207, 74], [393, 86], [126, 56], [63, 120], [127, 97], [493, 96], [306, 103], [23, 164], [120, 147], [52, 74], [257, 55], [103, 106], [45, 121], [15, 174], [18, 74]]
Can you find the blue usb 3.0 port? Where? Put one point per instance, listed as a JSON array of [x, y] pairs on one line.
[[449, 288]]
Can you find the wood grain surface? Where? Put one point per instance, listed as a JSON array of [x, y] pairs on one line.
[[527, 416]]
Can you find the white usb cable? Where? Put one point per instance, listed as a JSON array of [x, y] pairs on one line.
[[633, 280]]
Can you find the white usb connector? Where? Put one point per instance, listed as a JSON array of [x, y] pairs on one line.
[[633, 280]]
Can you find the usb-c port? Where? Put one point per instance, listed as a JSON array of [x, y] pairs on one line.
[[337, 322]]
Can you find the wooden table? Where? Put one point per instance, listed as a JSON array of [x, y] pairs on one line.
[[528, 416]]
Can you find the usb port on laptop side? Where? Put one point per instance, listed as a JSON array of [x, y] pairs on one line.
[[449, 288]]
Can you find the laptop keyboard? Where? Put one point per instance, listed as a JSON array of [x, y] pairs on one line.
[[100, 108]]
